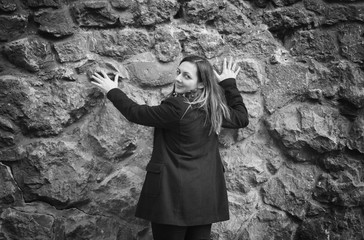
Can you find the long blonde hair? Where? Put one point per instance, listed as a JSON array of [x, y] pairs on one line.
[[212, 99]]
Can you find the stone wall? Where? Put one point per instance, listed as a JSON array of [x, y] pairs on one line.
[[71, 166]]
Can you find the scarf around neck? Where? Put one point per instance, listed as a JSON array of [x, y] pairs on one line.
[[190, 95]]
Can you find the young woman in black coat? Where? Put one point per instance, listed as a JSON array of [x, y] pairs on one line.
[[184, 190]]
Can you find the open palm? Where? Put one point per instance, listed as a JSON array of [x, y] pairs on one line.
[[228, 70]]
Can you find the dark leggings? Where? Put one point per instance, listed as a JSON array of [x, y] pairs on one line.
[[171, 232]]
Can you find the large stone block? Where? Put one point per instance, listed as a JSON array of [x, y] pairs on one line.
[[284, 82], [42, 3], [319, 44], [30, 53], [12, 26], [245, 165], [343, 184], [42, 221], [94, 14], [351, 44], [121, 4], [231, 20], [291, 191], [281, 3], [121, 44], [167, 47], [268, 224], [71, 50], [331, 14], [351, 85], [24, 225], [8, 6], [44, 109], [200, 11], [356, 140], [149, 72], [341, 223], [151, 12], [288, 18], [9, 192], [258, 43], [200, 41], [307, 130], [54, 172], [55, 23]]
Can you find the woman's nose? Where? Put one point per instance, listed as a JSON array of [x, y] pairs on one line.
[[178, 78]]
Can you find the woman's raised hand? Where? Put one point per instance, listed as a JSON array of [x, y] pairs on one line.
[[103, 81], [228, 70]]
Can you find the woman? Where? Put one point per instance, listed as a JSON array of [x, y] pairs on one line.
[[184, 190]]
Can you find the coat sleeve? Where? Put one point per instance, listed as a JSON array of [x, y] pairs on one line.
[[238, 113], [165, 115]]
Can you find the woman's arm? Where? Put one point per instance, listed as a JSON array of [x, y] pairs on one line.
[[239, 117], [165, 115], [238, 113]]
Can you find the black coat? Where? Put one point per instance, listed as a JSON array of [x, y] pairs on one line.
[[185, 183]]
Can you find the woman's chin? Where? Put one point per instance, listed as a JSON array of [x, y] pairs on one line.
[[179, 90]]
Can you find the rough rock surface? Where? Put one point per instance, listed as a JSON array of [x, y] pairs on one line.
[[72, 167]]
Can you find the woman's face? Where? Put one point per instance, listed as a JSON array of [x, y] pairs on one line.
[[186, 79]]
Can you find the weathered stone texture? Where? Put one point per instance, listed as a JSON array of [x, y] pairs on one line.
[[71, 50], [203, 10], [351, 45], [8, 6], [231, 20], [332, 225], [12, 26], [166, 46], [43, 109], [121, 44], [151, 12], [309, 130], [9, 193], [320, 44], [72, 167], [42, 3], [148, 72], [284, 19], [30, 53], [281, 3], [55, 23], [286, 81], [94, 14], [334, 13]]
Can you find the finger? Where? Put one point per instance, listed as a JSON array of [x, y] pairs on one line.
[[116, 77], [105, 75], [234, 66], [96, 84], [237, 71], [224, 65], [96, 78], [230, 63]]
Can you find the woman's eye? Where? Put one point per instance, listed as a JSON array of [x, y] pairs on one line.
[[187, 76]]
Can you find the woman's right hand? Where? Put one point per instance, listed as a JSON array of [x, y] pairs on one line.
[[228, 70], [104, 82]]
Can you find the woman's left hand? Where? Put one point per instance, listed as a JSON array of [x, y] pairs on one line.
[[104, 82], [228, 70]]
